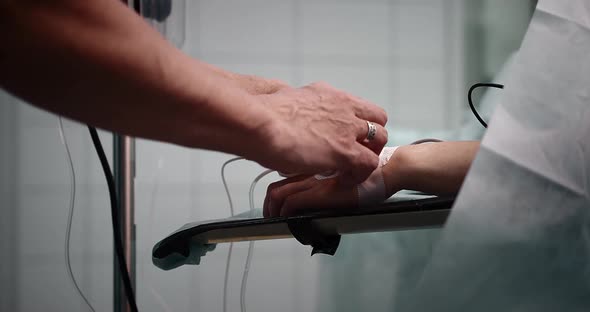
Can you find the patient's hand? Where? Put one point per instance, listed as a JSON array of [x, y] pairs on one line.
[[436, 168], [303, 194]]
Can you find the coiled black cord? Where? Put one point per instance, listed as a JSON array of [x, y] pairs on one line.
[[114, 218], [475, 86]]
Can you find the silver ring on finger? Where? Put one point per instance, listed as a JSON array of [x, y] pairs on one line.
[[371, 131]]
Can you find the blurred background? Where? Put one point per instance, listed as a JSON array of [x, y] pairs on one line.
[[415, 58]]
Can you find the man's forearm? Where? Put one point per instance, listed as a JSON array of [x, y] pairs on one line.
[[435, 168], [118, 72]]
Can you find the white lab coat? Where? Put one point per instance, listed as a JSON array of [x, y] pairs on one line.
[[518, 238]]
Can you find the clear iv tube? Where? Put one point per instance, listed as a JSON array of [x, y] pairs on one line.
[[231, 245], [71, 214], [152, 216], [231, 204], [251, 244]]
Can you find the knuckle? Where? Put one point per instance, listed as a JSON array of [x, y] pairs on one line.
[[352, 156], [292, 205], [278, 82], [288, 207], [271, 187], [322, 84], [372, 165], [367, 162], [383, 116], [385, 136], [272, 87], [360, 102], [351, 99], [287, 204], [379, 114], [342, 160], [274, 195], [318, 85], [373, 162], [344, 95], [362, 126]]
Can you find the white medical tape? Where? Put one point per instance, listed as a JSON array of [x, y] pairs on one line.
[[386, 154], [384, 157], [372, 190]]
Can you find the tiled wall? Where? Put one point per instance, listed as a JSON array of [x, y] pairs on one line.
[[35, 199], [403, 55]]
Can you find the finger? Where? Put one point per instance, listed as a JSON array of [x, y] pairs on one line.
[[361, 107], [265, 205], [296, 203], [347, 179], [289, 180], [278, 197], [278, 194], [366, 110], [377, 142], [363, 164], [272, 187], [287, 174], [328, 196]]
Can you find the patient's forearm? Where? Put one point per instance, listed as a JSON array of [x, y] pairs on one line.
[[435, 168]]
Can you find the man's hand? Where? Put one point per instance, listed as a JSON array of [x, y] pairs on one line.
[[254, 85], [257, 85], [57, 53], [318, 129]]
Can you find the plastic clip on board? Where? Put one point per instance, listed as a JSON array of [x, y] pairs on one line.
[[306, 233], [322, 230]]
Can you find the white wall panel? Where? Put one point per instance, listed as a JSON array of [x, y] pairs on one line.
[[345, 28], [253, 26]]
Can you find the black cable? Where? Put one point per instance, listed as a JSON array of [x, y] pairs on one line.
[[475, 86], [428, 140], [114, 218]]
